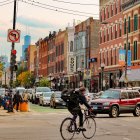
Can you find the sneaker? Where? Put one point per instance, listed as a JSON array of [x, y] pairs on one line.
[[81, 128]]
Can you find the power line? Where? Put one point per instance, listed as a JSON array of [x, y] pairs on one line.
[[56, 10], [61, 8], [88, 4], [6, 3]]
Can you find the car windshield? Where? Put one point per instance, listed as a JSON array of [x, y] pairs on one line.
[[47, 94], [43, 89], [58, 95], [110, 94]]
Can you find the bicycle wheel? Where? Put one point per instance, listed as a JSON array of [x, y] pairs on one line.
[[67, 129], [90, 125]]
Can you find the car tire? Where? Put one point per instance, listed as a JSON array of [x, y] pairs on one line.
[[136, 112], [114, 112]]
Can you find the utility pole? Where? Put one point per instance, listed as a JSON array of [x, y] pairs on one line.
[[126, 55], [13, 46]]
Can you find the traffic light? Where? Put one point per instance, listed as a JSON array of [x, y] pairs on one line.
[[13, 58]]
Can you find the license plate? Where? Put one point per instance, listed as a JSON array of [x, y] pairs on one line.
[[63, 103], [94, 107]]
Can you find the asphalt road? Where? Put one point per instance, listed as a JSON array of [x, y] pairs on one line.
[[38, 125]]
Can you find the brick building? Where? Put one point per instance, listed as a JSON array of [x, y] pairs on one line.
[[31, 49], [111, 41], [85, 46], [131, 12]]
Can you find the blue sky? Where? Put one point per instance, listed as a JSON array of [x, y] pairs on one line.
[[38, 21]]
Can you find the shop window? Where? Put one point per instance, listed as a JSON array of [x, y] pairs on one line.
[[135, 22]]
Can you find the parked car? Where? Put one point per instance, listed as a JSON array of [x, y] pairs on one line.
[[2, 92], [38, 92], [117, 101], [44, 98], [56, 100]]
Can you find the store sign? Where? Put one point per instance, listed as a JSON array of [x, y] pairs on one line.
[[72, 64]]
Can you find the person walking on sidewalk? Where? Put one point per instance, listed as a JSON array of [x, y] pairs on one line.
[[17, 99]]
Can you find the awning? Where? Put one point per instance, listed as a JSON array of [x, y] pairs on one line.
[[133, 75]]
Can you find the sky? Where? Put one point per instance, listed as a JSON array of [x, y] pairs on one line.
[[38, 17]]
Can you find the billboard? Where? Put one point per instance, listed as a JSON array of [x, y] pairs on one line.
[[72, 64]]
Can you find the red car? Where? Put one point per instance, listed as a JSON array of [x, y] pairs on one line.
[[117, 101]]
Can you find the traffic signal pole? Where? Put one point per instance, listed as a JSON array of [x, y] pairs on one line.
[[13, 46]]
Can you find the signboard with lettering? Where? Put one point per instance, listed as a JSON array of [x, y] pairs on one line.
[[72, 64]]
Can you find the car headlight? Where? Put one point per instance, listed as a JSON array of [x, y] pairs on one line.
[[106, 103], [57, 100]]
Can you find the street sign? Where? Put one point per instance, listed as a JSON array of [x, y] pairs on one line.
[[13, 36]]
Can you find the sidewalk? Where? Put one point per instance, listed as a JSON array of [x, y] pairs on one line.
[[4, 112]]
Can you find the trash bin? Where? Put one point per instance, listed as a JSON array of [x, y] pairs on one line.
[[24, 106]]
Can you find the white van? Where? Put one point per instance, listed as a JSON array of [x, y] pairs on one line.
[[20, 89]]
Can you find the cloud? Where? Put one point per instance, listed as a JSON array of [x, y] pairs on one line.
[[34, 23]]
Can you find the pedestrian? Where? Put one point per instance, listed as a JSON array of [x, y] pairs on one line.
[[17, 99], [25, 96]]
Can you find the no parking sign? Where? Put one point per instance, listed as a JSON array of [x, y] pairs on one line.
[[13, 36]]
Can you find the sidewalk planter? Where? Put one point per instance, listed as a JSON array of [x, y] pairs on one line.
[[24, 106]]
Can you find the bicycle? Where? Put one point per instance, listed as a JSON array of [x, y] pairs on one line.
[[69, 124]]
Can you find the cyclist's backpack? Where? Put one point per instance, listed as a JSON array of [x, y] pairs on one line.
[[71, 97]]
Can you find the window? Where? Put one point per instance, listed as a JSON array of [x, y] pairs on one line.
[[124, 95], [125, 26], [135, 50], [107, 58], [108, 35], [62, 48], [115, 56], [111, 10], [116, 8], [111, 57], [71, 46], [111, 33], [125, 46], [115, 31], [137, 95], [129, 46], [131, 95], [120, 32], [129, 25], [135, 22]]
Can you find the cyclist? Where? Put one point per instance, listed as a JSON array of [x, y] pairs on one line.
[[75, 108]]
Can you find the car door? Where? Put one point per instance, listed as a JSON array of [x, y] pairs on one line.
[[124, 107], [131, 100]]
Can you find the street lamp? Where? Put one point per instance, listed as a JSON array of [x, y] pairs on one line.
[[63, 79], [126, 54], [50, 76], [79, 70], [102, 75]]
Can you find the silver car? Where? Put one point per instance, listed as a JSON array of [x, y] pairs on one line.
[[44, 98]]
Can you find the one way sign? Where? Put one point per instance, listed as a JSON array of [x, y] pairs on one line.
[[13, 36]]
